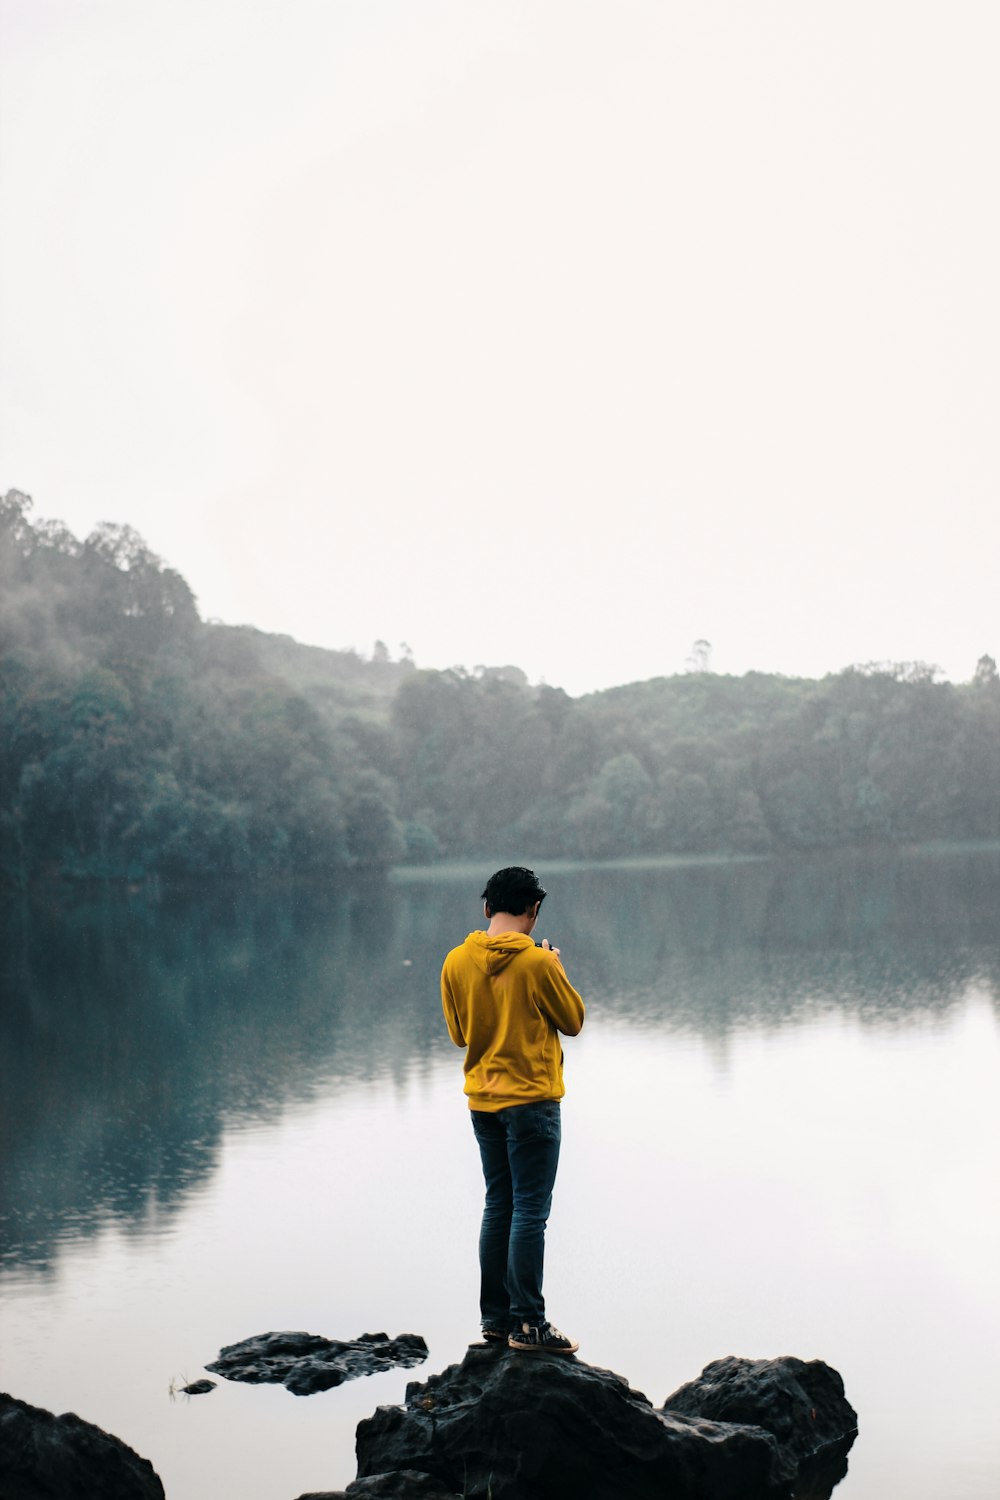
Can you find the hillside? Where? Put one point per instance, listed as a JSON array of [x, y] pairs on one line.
[[136, 739]]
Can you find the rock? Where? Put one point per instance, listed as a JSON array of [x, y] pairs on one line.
[[198, 1388], [45, 1457], [305, 1363], [544, 1427], [405, 1484], [802, 1405], [526, 1427]]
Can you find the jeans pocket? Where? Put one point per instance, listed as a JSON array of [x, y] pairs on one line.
[[541, 1121]]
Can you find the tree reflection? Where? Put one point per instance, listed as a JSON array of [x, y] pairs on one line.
[[136, 1028], [715, 946]]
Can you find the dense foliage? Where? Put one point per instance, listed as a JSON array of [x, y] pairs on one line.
[[134, 738]]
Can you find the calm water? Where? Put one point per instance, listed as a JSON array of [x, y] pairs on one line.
[[225, 1113]]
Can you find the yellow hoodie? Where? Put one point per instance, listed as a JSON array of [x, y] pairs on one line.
[[506, 1002]]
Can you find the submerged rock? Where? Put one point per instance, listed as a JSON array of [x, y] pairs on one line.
[[544, 1427], [43, 1456], [305, 1362]]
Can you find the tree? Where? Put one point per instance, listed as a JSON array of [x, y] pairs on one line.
[[15, 527], [694, 821], [986, 674], [375, 839], [700, 656], [614, 816], [137, 604], [748, 830]]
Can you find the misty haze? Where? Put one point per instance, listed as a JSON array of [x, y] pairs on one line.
[[451, 436], [224, 847]]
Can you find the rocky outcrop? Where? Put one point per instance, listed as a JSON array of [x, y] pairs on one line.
[[45, 1457], [801, 1404], [544, 1427], [305, 1362]]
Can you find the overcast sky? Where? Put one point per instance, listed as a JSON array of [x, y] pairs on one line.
[[559, 333]]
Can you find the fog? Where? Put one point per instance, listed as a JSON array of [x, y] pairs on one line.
[[561, 335]]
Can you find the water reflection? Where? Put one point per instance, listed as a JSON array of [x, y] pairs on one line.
[[718, 946], [133, 1030]]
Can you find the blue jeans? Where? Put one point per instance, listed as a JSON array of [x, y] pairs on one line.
[[520, 1151]]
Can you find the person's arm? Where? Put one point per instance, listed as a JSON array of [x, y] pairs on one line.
[[559, 1001], [451, 1011]]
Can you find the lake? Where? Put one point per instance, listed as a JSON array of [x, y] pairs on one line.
[[229, 1111]]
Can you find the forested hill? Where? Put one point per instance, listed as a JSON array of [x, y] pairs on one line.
[[137, 739]]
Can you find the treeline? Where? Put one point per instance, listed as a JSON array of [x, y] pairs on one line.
[[701, 762], [136, 739]]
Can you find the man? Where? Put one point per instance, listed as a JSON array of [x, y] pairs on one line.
[[505, 1001]]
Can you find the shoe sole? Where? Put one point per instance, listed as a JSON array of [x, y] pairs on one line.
[[541, 1349]]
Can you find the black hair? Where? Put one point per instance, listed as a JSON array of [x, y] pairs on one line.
[[514, 890]]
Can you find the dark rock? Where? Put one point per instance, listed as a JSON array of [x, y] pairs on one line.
[[802, 1404], [45, 1457], [819, 1475], [404, 1484], [305, 1363], [198, 1388], [544, 1427]]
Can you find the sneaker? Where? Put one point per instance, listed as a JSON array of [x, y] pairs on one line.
[[492, 1338], [541, 1340]]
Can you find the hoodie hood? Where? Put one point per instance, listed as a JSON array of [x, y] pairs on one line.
[[491, 954]]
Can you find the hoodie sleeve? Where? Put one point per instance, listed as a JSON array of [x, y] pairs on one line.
[[559, 1001], [450, 1011]]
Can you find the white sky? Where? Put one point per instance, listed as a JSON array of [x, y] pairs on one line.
[[559, 332]]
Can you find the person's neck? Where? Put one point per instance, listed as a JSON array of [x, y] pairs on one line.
[[502, 921]]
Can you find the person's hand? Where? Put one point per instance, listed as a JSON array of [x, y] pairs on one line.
[[549, 948]]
